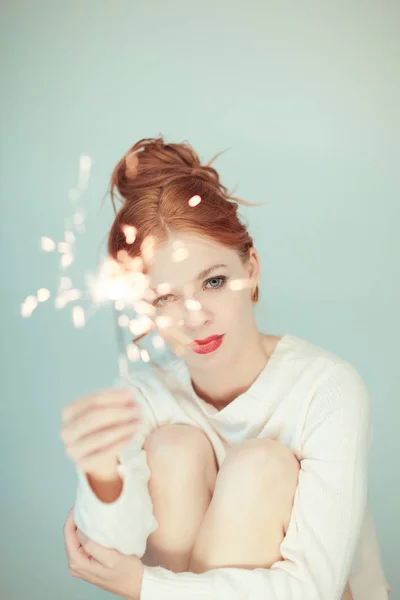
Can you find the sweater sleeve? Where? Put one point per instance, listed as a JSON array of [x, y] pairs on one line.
[[126, 523], [327, 515]]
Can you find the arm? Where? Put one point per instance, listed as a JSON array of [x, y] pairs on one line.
[[119, 513], [326, 519]]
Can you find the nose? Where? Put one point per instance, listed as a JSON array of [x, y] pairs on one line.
[[194, 318]]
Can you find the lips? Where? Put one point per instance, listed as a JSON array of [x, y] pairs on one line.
[[207, 340], [208, 345]]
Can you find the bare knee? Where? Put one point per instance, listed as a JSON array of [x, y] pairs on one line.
[[175, 438], [268, 456], [261, 466], [178, 447]]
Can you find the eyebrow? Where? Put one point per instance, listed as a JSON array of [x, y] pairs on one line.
[[205, 272]]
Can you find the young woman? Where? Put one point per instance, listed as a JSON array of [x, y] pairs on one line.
[[239, 469]]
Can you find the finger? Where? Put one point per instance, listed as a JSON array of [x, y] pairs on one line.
[[72, 410], [91, 462], [82, 539], [107, 557], [72, 543], [104, 440], [76, 553], [94, 421]]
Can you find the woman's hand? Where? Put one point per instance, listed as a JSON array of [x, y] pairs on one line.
[[108, 569], [96, 428]]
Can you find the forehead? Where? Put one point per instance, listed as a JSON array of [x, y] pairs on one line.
[[183, 256]]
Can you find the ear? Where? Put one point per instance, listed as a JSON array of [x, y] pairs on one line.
[[253, 267]]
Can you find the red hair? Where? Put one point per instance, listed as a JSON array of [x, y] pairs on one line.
[[155, 181]]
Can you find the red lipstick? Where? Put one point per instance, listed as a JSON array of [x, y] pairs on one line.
[[207, 345]]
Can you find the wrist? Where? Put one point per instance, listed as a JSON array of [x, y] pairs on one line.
[[135, 580]]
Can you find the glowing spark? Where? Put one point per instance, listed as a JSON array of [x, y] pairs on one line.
[[63, 247], [78, 316], [133, 352], [140, 325], [78, 218], [109, 284], [144, 355], [28, 306], [67, 296], [69, 237], [192, 304], [194, 201], [145, 322], [114, 283], [66, 260], [134, 327], [158, 342], [163, 288], [47, 244], [163, 322], [144, 308], [130, 233], [85, 162], [149, 295], [238, 284], [132, 164], [65, 283], [123, 321], [116, 289], [85, 165], [123, 366], [179, 252], [147, 248], [43, 294], [73, 195]]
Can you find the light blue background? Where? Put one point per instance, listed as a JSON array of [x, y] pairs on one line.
[[307, 96]]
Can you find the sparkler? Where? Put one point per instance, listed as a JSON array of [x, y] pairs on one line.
[[121, 282]]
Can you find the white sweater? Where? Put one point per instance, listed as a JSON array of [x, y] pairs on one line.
[[318, 406]]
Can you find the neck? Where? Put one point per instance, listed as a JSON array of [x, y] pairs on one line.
[[223, 384]]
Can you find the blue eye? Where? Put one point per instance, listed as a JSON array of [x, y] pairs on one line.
[[222, 279], [218, 282]]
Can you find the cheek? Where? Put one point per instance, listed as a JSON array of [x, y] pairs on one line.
[[231, 304]]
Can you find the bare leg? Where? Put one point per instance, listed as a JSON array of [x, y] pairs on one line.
[[196, 534], [250, 510], [183, 474]]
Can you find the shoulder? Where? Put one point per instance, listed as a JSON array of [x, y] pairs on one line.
[[328, 380], [306, 358], [338, 400]]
